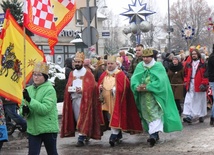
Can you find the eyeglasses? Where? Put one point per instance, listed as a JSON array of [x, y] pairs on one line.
[[38, 75]]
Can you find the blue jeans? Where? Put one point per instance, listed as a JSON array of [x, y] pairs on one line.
[[35, 143], [212, 87], [11, 113]]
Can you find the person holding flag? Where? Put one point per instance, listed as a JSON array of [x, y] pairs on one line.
[[39, 108]]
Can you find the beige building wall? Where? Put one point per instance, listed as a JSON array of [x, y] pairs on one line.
[[64, 48]]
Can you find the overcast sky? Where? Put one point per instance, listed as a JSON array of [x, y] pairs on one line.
[[120, 6]]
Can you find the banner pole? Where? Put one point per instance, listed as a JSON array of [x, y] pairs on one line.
[[24, 84]]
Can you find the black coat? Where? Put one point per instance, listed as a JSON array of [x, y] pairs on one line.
[[211, 67]]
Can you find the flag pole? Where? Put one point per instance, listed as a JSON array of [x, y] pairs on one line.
[[24, 84]]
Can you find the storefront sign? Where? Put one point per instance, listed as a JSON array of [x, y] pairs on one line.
[[68, 33]]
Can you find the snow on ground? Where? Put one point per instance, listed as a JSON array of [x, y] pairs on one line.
[[59, 108]]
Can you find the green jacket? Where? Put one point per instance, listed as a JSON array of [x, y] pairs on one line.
[[160, 87], [43, 116]]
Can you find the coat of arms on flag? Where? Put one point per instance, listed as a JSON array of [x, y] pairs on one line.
[[13, 58]]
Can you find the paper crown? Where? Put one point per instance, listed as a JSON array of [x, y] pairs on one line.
[[147, 52], [41, 67], [122, 53], [94, 61], [111, 58], [79, 56], [119, 59], [192, 48], [100, 62]]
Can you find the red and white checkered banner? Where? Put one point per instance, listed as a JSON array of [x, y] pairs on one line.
[[39, 18], [47, 18]]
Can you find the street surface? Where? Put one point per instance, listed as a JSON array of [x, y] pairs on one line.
[[195, 139]]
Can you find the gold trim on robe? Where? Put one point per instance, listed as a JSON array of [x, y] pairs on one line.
[[109, 100]]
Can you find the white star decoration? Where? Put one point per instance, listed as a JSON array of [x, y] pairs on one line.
[[137, 12]]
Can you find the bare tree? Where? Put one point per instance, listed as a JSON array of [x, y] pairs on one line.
[[194, 13], [112, 24]]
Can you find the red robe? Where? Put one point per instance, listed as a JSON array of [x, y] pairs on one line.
[[125, 115], [90, 111], [199, 76]]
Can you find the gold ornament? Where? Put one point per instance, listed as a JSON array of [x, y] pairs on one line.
[[147, 52], [41, 67], [111, 58], [79, 56]]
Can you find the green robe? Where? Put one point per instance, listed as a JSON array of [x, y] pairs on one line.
[[159, 86]]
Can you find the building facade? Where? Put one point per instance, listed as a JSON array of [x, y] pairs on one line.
[[65, 47]]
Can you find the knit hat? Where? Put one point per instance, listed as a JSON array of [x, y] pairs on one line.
[[178, 57], [168, 55]]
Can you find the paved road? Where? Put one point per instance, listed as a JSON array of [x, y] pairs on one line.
[[195, 139]]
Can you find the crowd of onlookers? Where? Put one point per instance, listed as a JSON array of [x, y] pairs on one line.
[[174, 63], [151, 91]]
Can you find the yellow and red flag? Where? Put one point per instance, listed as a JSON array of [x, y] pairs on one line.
[[13, 58], [47, 18], [64, 10]]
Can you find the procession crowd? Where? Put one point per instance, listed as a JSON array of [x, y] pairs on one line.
[[141, 94]]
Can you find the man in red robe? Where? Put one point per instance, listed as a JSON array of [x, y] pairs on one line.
[[118, 105], [80, 110]]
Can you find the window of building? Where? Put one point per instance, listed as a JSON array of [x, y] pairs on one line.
[[79, 18]]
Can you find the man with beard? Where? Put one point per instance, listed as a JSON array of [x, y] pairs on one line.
[[176, 78], [154, 98], [195, 103], [118, 105], [80, 111]]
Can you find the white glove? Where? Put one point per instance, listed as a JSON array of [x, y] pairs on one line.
[[113, 91]]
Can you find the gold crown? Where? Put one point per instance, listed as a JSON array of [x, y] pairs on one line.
[[119, 59], [122, 53], [41, 67], [111, 58], [94, 60], [79, 56], [147, 52], [100, 62], [192, 48]]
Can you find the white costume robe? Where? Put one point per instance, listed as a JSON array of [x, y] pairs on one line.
[[76, 98], [195, 103]]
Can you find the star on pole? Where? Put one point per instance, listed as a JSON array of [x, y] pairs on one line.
[[137, 12]]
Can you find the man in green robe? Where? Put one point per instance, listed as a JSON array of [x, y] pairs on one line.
[[154, 98]]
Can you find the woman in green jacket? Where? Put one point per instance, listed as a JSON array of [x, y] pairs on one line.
[[40, 109]]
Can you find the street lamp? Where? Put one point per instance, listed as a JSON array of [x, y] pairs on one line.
[[169, 29]]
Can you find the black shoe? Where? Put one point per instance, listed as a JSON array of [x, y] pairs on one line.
[[201, 119], [80, 144], [152, 141], [157, 137], [211, 121], [187, 120], [120, 136], [87, 139], [112, 140]]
